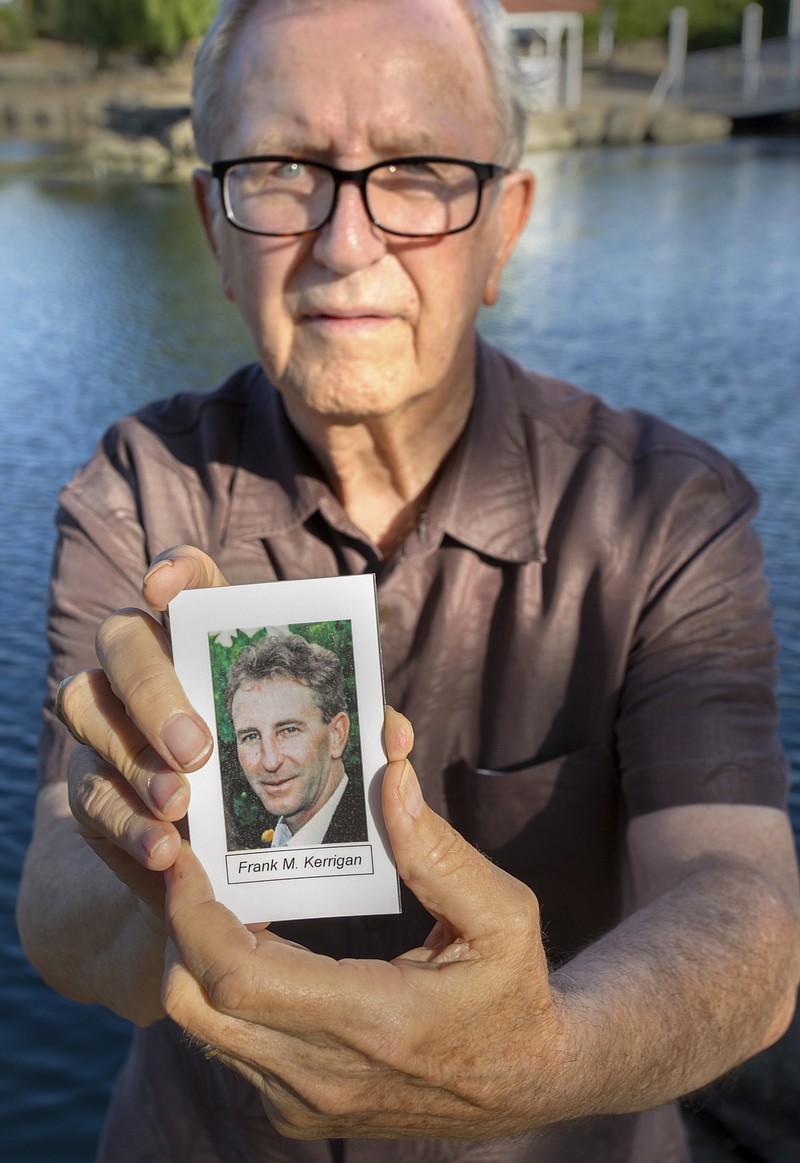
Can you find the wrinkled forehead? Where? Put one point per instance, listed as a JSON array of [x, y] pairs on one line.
[[359, 73]]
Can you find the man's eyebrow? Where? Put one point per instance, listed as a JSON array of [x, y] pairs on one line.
[[407, 145], [268, 145], [389, 147]]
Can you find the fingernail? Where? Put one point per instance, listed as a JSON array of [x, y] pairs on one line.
[[186, 740], [153, 839], [156, 566], [411, 792], [164, 788]]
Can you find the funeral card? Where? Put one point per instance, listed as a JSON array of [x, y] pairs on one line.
[[285, 816]]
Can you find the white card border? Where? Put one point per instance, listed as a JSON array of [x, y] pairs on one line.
[[194, 614]]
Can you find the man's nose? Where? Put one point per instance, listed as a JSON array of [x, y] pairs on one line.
[[271, 755], [349, 240]]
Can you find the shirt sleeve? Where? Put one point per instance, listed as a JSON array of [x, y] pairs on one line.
[[698, 715], [99, 561]]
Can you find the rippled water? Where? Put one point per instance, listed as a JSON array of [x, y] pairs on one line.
[[663, 278]]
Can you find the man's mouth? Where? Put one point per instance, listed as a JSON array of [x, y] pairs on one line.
[[346, 316], [275, 784]]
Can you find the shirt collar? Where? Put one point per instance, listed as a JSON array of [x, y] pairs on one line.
[[490, 502], [277, 483], [313, 832], [485, 499]]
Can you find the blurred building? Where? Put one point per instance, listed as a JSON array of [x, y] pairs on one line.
[[549, 36]]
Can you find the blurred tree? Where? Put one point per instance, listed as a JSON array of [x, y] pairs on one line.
[[16, 25], [158, 28], [168, 24], [46, 16], [711, 22]]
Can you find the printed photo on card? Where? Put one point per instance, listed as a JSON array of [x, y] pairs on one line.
[[285, 816]]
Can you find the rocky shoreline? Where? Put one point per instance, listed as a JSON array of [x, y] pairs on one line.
[[124, 121], [129, 121]]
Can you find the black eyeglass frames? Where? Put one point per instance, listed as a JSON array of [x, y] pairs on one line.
[[414, 197]]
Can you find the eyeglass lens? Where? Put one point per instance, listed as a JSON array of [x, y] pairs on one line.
[[416, 199]]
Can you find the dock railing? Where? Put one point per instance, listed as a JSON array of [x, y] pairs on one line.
[[747, 80], [769, 80]]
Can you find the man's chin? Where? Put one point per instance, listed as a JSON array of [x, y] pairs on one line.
[[364, 372], [350, 392]]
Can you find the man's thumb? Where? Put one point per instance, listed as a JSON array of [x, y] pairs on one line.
[[454, 882]]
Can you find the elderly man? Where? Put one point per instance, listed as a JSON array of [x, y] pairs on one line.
[[573, 617], [286, 703]]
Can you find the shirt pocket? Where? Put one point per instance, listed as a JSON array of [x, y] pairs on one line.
[[558, 826]]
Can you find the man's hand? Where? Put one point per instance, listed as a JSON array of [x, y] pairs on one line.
[[127, 787], [467, 1037], [464, 1038], [440, 1042]]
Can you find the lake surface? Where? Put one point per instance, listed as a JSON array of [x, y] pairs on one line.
[[663, 278]]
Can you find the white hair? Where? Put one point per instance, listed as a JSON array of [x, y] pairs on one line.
[[494, 36]]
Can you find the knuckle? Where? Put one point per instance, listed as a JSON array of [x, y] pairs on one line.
[[447, 851], [126, 639], [115, 626], [206, 572], [521, 912], [82, 781], [149, 683], [333, 1104], [298, 1125], [96, 801], [307, 1113], [522, 898], [173, 997], [75, 699], [133, 759], [230, 989]]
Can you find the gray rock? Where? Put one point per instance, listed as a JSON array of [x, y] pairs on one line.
[[129, 114], [671, 125], [113, 155], [590, 125], [627, 125], [179, 139], [9, 116], [552, 130]]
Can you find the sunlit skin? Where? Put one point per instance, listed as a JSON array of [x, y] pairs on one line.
[[292, 758], [350, 322]]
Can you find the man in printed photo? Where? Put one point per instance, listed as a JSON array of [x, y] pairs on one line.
[[286, 702]]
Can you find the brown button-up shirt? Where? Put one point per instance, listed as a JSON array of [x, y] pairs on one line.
[[578, 629]]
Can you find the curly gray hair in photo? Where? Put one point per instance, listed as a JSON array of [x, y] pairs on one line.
[[290, 656]]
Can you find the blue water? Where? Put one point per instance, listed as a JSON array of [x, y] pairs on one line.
[[664, 278]]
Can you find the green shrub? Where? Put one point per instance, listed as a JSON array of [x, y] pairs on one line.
[[15, 28], [158, 28], [46, 16], [711, 22]]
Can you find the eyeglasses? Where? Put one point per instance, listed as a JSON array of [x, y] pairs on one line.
[[416, 197]]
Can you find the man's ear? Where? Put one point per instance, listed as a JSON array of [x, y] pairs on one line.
[[340, 730], [206, 198], [516, 200]]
